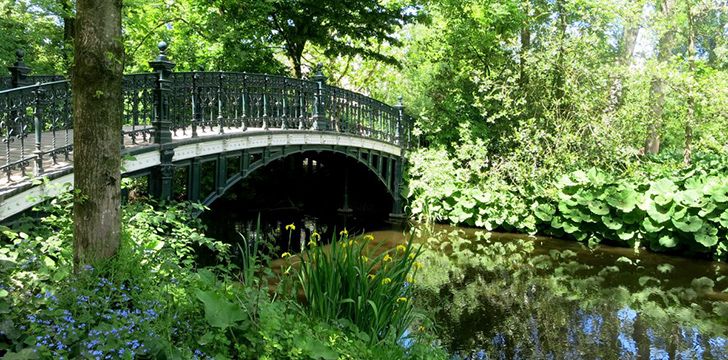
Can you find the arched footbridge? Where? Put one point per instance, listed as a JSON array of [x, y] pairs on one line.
[[191, 124]]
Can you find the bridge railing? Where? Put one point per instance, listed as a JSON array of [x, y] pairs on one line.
[[36, 123], [42, 111]]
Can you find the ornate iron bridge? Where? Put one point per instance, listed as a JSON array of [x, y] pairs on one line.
[[188, 122]]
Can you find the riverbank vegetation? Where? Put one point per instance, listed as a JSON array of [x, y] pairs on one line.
[[596, 120], [600, 121], [173, 293]]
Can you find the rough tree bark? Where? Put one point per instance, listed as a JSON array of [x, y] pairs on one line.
[[97, 110]]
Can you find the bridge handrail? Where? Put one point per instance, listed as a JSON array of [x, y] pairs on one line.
[[6, 82], [160, 105]]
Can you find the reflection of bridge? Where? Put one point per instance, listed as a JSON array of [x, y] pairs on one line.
[[180, 126]]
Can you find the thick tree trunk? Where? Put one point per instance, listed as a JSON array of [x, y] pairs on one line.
[[97, 112]]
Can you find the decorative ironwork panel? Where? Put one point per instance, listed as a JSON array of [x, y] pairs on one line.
[[138, 107], [41, 110], [183, 100], [5, 82], [357, 114], [55, 113]]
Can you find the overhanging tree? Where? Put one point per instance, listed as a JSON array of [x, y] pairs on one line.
[[97, 110], [338, 27]]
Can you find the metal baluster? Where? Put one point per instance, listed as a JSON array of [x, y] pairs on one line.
[[38, 124], [68, 125], [244, 97], [265, 103], [53, 97], [7, 127], [301, 108], [195, 94], [220, 120], [284, 118], [134, 114]]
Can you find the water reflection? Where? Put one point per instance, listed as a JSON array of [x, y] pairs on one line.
[[508, 296], [505, 296]]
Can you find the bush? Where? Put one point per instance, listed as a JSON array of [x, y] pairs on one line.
[[661, 206], [154, 299]]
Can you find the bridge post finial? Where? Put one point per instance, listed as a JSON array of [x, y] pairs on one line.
[[162, 176], [399, 130], [319, 109], [19, 71], [163, 69]]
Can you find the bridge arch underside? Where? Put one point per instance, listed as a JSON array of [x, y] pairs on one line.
[[208, 178]]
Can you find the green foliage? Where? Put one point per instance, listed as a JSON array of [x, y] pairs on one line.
[[663, 209], [341, 281], [155, 299], [682, 211]]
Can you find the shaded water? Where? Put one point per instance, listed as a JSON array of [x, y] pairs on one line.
[[525, 297], [510, 296]]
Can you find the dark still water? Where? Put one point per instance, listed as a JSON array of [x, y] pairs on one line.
[[498, 296]]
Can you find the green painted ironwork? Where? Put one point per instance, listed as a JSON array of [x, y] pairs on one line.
[[164, 108]]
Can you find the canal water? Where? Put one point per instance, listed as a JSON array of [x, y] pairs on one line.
[[493, 295], [511, 296]]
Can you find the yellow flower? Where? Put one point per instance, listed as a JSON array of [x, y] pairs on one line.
[[351, 242], [368, 237], [371, 276], [291, 227], [421, 328], [402, 299], [364, 258], [387, 258], [411, 256], [315, 236], [312, 243], [417, 265], [386, 281], [344, 232], [410, 280], [285, 255], [401, 248]]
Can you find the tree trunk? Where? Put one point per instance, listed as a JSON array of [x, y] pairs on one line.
[[97, 111], [652, 143], [68, 30], [688, 151], [558, 82], [295, 53], [629, 39], [525, 47]]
